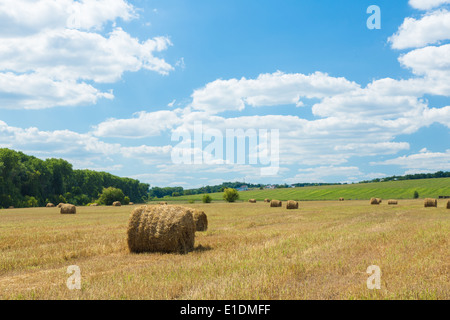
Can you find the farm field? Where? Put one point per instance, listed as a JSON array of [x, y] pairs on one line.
[[250, 251], [403, 189]]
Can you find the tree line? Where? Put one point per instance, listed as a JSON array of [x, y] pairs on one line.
[[27, 181]]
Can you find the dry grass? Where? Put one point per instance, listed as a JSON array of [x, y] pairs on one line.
[[250, 251]]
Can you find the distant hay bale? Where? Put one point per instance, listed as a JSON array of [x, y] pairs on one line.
[[68, 209], [94, 205], [275, 203], [50, 205], [291, 204], [380, 200], [341, 199], [448, 204], [267, 200], [163, 203], [392, 202], [374, 201], [429, 202], [11, 207], [131, 203], [165, 229], [200, 220], [252, 200], [60, 205], [116, 204]]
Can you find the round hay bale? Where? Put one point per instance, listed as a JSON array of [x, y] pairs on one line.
[[374, 201], [68, 209], [392, 202], [163, 203], [252, 201], [380, 200], [429, 202], [200, 220], [60, 205], [275, 203], [291, 204], [267, 200], [50, 205], [341, 199], [448, 204], [116, 204], [11, 207], [94, 205], [165, 229], [131, 203]]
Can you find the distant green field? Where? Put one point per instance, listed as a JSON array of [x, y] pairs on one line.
[[432, 188]]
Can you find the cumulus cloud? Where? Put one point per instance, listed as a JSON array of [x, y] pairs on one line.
[[431, 28], [144, 124], [421, 162], [267, 90], [58, 51], [427, 4]]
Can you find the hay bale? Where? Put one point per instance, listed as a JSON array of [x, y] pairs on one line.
[[267, 200], [291, 204], [68, 209], [374, 201], [429, 202], [341, 199], [161, 229], [163, 203], [392, 202], [60, 205], [131, 203], [379, 200], [448, 204], [275, 203], [200, 220], [252, 200], [11, 207], [94, 205], [50, 205], [116, 204]]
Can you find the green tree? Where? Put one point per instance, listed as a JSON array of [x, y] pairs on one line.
[[230, 195], [109, 195], [416, 195], [206, 198]]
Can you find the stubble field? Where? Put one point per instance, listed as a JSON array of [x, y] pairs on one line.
[[250, 251]]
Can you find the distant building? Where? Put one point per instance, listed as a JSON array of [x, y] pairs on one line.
[[243, 188], [270, 187]]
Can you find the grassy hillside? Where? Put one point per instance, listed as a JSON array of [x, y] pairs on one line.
[[390, 189]]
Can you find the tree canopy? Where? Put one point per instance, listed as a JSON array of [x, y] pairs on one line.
[[27, 181]]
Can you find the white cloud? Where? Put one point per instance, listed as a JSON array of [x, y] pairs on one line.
[[425, 161], [323, 174], [36, 91], [433, 62], [25, 17], [430, 29], [427, 4], [39, 48], [144, 124], [267, 90]]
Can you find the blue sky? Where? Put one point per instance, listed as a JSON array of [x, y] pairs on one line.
[[105, 85]]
